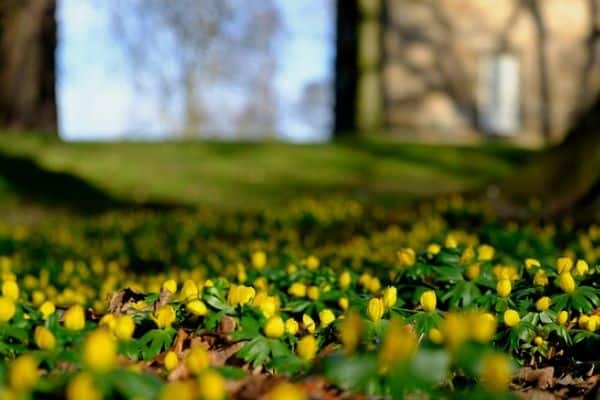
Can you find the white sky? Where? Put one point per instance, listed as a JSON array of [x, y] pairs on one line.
[[98, 101]]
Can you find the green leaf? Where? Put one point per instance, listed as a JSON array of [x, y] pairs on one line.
[[255, 351]]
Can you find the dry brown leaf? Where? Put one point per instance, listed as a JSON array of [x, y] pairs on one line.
[[543, 377]]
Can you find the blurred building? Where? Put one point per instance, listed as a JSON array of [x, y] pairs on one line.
[[460, 68]]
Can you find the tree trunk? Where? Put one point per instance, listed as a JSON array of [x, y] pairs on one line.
[[27, 65]]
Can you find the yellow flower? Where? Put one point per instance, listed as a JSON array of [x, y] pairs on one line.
[[170, 286], [211, 386], [450, 242], [261, 283], [313, 293], [124, 327], [503, 288], [307, 348], [482, 326], [312, 263], [495, 372], [581, 268], [343, 303], [433, 249], [259, 259], [406, 257], [274, 327], [197, 360], [171, 360], [297, 289], [196, 307], [47, 308], [286, 391], [99, 351], [543, 303], [390, 296], [593, 323], [538, 341], [108, 320], [540, 278], [511, 318], [291, 326], [467, 256], [351, 331], [180, 390], [435, 336], [582, 321], [10, 289], [428, 300], [43, 338], [531, 263], [74, 318], [375, 309], [189, 290], [326, 317], [566, 282], [268, 306], [308, 323], [564, 264], [399, 343], [37, 298], [562, 317], [240, 295], [7, 309], [164, 316], [473, 271], [485, 252], [82, 386], [345, 280], [23, 372]]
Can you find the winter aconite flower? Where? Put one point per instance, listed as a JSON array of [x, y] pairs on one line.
[[197, 359], [503, 288], [435, 336], [171, 360], [124, 327], [538, 341], [10, 289], [326, 317], [312, 263], [44, 338], [581, 268], [74, 318], [7, 309], [99, 351], [307, 347], [485, 252], [313, 293], [543, 303], [351, 331], [343, 303], [511, 318], [47, 308], [82, 386], [531, 263], [472, 272], [170, 286], [308, 323], [390, 296], [345, 280], [23, 373], [259, 259], [240, 295], [211, 386], [562, 317], [540, 278], [286, 391], [406, 257], [428, 300], [297, 289], [566, 282], [375, 309], [291, 326], [189, 290], [274, 327], [564, 264], [482, 326], [399, 344], [196, 307], [495, 372], [164, 316], [180, 390]]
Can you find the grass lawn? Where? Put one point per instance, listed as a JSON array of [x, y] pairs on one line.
[[242, 175]]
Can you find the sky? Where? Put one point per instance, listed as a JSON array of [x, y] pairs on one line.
[[98, 100]]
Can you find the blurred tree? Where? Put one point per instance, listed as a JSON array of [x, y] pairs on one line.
[[208, 59], [27, 65]]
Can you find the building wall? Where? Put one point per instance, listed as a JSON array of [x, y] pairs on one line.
[[431, 55]]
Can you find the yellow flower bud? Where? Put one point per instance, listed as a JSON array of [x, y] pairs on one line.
[[351, 331], [428, 300], [511, 318], [124, 327], [562, 317], [180, 390], [399, 344], [196, 307], [482, 326], [343, 303], [390, 296], [312, 263], [531, 263], [240, 295], [43, 338], [259, 259], [435, 336], [564, 264], [274, 327], [164, 316], [211, 386], [593, 323], [74, 318], [268, 306], [197, 360], [99, 351], [291, 326], [7, 309], [326, 317], [286, 391], [503, 288], [189, 290], [308, 323], [374, 285], [433, 249], [581, 268], [108, 320], [297, 289], [375, 309], [496, 372], [313, 293], [307, 348], [345, 280], [170, 286], [543, 303], [406, 257], [538, 341], [566, 282], [37, 298], [82, 386], [485, 252], [171, 360], [540, 278], [10, 289], [23, 373], [582, 321]]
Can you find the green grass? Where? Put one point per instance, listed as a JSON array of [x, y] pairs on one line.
[[243, 175]]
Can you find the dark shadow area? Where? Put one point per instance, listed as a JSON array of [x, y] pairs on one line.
[[33, 183]]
